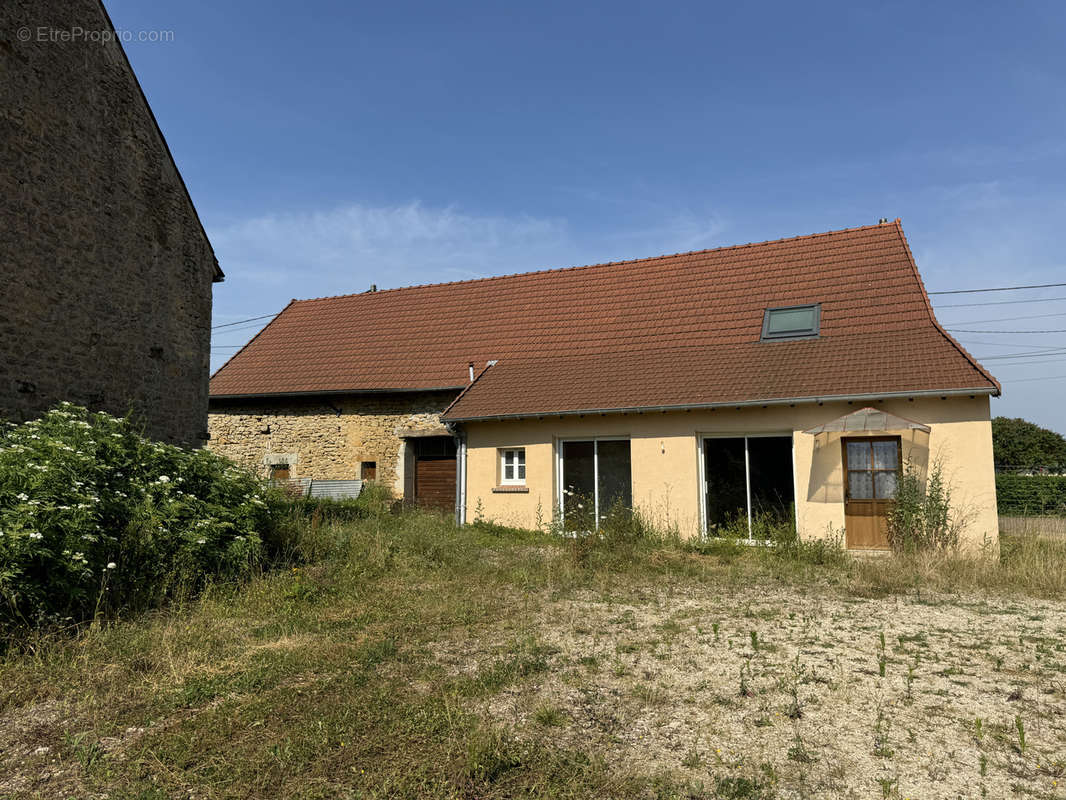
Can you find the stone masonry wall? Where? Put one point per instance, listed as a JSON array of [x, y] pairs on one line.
[[326, 437], [106, 299]]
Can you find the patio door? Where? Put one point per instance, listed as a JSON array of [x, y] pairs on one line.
[[871, 467], [595, 477], [748, 486]]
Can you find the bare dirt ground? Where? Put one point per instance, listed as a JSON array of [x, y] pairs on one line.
[[772, 692]]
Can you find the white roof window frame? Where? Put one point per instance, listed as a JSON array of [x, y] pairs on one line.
[[812, 332]]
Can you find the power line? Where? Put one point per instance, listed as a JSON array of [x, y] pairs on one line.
[[1008, 319], [1000, 289], [1001, 302], [1045, 378], [1030, 363], [1012, 344], [240, 321], [253, 326], [1013, 356], [1045, 330]]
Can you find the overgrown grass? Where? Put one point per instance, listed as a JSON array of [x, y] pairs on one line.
[[320, 679]]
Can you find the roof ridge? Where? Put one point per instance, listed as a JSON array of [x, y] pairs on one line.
[[576, 267], [932, 315]]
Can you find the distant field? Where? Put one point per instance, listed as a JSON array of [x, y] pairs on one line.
[[412, 659]]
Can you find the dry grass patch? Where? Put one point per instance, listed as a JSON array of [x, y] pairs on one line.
[[416, 660]]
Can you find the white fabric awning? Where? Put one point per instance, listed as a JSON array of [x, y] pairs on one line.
[[869, 419]]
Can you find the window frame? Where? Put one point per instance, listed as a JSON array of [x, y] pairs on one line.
[[701, 455], [813, 333], [848, 468], [561, 476], [519, 461]]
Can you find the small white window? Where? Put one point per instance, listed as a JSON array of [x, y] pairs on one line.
[[513, 466]]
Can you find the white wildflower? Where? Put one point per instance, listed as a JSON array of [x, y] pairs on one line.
[[201, 541], [22, 496], [111, 565], [163, 479], [36, 535]]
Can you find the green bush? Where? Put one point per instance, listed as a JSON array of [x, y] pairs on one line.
[[922, 518], [96, 518], [1031, 495]]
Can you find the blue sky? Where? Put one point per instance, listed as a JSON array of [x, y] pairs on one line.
[[332, 145]]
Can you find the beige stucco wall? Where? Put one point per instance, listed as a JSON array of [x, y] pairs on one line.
[[665, 460], [326, 437]]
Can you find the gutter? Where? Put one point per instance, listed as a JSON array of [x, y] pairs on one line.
[[819, 400], [407, 390]]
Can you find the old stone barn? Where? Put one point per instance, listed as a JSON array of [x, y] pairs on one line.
[[349, 387], [394, 437], [108, 273]]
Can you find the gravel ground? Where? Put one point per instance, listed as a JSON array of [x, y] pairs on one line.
[[771, 692]]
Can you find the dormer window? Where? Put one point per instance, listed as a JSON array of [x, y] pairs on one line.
[[792, 322]]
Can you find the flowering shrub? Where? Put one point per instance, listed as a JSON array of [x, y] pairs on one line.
[[94, 516]]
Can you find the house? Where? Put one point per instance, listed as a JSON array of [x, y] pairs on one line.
[[717, 392], [107, 270]]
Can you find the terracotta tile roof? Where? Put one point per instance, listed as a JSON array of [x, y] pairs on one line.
[[669, 331]]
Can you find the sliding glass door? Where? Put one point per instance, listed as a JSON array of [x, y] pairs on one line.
[[748, 485], [595, 478]]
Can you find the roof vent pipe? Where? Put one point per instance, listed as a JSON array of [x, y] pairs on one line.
[[471, 366]]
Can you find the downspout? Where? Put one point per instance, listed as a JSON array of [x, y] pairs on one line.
[[460, 470]]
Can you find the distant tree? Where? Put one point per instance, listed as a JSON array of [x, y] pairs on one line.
[[1020, 443]]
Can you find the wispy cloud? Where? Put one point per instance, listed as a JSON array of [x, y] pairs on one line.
[[343, 249]]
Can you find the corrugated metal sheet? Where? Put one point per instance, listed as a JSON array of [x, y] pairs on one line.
[[336, 490], [313, 487]]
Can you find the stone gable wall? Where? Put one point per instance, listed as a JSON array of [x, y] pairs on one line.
[[326, 437], [107, 273]]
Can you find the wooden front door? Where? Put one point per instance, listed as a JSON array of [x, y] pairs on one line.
[[871, 467]]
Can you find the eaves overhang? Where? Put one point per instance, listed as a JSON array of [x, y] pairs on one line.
[[779, 401]]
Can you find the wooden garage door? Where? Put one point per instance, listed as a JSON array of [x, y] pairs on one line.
[[435, 472], [435, 482]]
